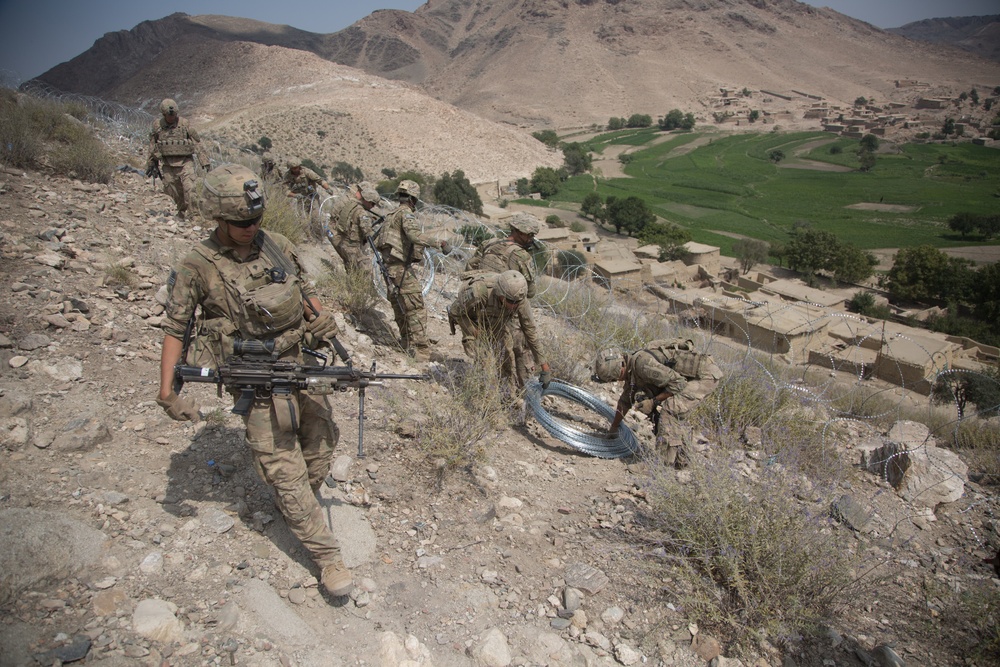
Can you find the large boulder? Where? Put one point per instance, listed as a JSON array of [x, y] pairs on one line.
[[41, 546]]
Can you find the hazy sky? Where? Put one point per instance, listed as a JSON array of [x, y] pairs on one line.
[[36, 35]]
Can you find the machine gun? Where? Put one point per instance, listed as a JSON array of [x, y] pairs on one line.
[[255, 372]]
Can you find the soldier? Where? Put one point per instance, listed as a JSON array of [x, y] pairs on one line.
[[484, 309], [269, 168], [511, 253], [302, 181], [250, 285], [352, 222], [401, 244], [173, 147], [673, 378]]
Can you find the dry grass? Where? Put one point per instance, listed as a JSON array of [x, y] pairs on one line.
[[41, 134], [118, 275], [744, 559], [477, 405]]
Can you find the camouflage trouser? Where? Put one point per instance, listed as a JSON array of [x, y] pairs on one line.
[[521, 354], [476, 339], [408, 306], [674, 435], [353, 255], [295, 462], [179, 183]]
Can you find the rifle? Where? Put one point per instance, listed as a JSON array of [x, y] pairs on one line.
[[391, 291], [153, 169], [254, 371]]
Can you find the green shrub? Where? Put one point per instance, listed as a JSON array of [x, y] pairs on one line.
[[577, 226]]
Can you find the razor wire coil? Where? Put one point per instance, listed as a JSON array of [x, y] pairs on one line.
[[623, 445]]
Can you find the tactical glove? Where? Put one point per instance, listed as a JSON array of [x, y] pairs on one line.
[[647, 407], [446, 247], [323, 326], [545, 377], [181, 409]]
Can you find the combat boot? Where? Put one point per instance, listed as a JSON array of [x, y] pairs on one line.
[[336, 579]]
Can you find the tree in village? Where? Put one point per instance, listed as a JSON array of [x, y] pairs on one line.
[[924, 273], [668, 236], [751, 252], [545, 181], [593, 206], [630, 214], [577, 158], [456, 191]]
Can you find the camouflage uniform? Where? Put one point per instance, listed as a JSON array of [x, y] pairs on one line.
[[402, 245], [675, 367], [305, 183], [481, 314], [293, 463], [497, 256], [176, 145], [352, 225]]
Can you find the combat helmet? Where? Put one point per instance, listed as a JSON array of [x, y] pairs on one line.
[[370, 195], [168, 107], [608, 365], [525, 223], [231, 192], [292, 162], [512, 286], [408, 187]]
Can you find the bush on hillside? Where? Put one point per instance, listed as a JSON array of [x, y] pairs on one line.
[[40, 134]]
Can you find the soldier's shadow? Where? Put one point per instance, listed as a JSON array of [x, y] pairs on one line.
[[377, 326], [216, 471]]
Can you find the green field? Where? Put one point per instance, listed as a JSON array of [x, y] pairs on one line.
[[729, 185]]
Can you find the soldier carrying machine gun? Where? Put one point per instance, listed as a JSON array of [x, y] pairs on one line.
[[254, 371]]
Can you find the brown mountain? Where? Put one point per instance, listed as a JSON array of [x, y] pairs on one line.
[[563, 63], [977, 34]]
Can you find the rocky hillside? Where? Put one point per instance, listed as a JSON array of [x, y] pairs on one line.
[[130, 539], [546, 63], [977, 34]]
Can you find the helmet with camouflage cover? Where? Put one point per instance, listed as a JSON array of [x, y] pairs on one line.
[[524, 223], [370, 195], [292, 162], [231, 192], [608, 365], [168, 107], [408, 188], [512, 286]]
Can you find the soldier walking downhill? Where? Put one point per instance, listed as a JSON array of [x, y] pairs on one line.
[[250, 285], [173, 147], [672, 377]]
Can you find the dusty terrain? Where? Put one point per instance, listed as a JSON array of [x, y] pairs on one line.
[[134, 540]]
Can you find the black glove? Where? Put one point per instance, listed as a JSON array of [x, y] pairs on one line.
[[179, 408]]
